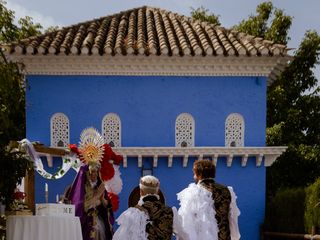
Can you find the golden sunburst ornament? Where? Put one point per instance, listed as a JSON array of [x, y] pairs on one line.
[[91, 146]]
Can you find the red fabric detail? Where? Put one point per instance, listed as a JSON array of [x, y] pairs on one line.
[[109, 154], [106, 170], [114, 201], [74, 148]]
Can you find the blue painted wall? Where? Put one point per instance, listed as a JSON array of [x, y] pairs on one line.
[[148, 107]]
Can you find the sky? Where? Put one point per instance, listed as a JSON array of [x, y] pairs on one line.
[[63, 13]]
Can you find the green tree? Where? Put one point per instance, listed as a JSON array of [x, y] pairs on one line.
[[293, 119], [312, 213], [259, 25], [202, 14], [28, 28], [293, 101], [10, 32], [12, 103], [256, 25]]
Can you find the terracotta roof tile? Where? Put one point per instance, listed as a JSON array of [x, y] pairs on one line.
[[152, 34], [111, 36], [147, 31]]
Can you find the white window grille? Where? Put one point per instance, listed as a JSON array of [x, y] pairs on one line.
[[234, 130], [60, 130], [111, 129], [184, 130]]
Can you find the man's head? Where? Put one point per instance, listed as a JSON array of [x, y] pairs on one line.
[[203, 168], [149, 185]]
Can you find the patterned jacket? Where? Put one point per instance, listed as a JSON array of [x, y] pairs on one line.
[[222, 199], [160, 221]]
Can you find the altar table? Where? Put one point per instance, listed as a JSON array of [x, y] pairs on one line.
[[43, 228]]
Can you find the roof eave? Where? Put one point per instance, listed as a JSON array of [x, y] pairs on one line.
[[163, 65]]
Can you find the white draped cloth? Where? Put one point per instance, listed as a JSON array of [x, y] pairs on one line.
[[20, 227], [198, 213], [133, 225]]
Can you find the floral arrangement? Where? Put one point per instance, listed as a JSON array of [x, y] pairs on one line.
[[18, 203]]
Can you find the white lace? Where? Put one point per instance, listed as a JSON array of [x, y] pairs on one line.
[[132, 225], [233, 216], [197, 213], [178, 230]]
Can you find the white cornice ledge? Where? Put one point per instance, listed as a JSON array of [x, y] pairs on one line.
[[132, 65], [268, 154]]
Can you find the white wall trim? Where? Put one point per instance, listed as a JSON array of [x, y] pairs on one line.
[[262, 154], [133, 65], [268, 154]]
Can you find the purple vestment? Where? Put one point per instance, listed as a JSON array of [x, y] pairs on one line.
[[88, 218]]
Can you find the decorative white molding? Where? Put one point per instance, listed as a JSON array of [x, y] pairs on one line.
[[137, 65], [269, 159], [215, 159], [229, 160], [170, 160], [155, 161], [268, 154], [244, 160], [185, 160], [140, 161], [60, 130], [184, 130], [259, 159], [125, 162], [234, 130], [111, 129]]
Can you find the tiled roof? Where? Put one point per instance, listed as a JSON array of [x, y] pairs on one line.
[[146, 31]]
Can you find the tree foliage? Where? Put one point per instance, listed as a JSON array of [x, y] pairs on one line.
[[202, 14], [285, 211], [293, 101], [259, 24], [312, 213], [10, 32], [293, 119], [12, 103]]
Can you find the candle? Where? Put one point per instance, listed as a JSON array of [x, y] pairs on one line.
[[46, 193], [57, 198]]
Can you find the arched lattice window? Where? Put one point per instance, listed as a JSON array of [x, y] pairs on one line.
[[111, 129], [234, 131], [60, 130], [184, 130]]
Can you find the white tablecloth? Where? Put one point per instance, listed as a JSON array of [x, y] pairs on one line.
[[43, 228]]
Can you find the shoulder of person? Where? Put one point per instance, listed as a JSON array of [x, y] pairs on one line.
[[132, 215], [221, 186]]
